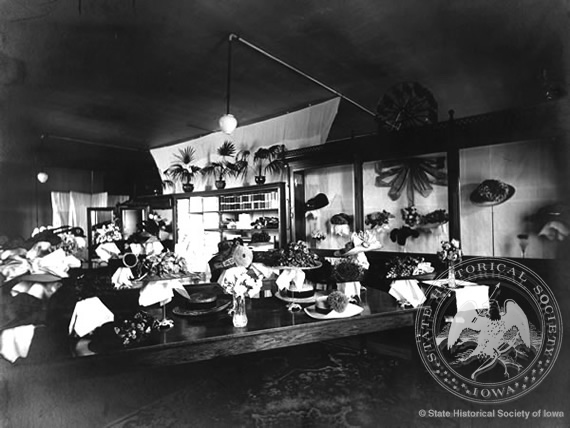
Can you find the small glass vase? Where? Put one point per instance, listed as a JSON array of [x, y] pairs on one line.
[[451, 275], [239, 315]]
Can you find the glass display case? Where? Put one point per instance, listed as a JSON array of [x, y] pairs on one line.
[[100, 223], [405, 202], [329, 207]]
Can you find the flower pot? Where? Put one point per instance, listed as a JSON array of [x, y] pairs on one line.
[[188, 187], [260, 179], [220, 184]]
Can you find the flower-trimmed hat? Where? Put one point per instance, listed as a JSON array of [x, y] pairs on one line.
[[491, 192]]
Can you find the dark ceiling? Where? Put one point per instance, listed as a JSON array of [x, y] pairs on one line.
[[146, 73]]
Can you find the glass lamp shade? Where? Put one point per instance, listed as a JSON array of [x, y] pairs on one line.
[[42, 176], [228, 123]]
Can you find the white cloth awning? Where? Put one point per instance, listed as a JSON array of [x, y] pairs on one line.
[[303, 128]]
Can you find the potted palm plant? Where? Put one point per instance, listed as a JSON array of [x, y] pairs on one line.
[[225, 166], [183, 169], [268, 160]]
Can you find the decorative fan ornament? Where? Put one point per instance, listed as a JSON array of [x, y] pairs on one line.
[[412, 175], [407, 105]]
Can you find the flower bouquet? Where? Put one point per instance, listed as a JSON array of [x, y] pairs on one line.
[[408, 267], [450, 253], [240, 283]]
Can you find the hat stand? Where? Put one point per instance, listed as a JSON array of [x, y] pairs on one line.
[[493, 230]]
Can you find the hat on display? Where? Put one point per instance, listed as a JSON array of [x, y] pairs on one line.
[[341, 218], [492, 192], [317, 202], [360, 242]]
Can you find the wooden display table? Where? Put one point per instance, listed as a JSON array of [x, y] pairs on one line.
[[193, 339], [270, 326]]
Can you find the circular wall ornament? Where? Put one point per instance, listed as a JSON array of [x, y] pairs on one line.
[[407, 105]]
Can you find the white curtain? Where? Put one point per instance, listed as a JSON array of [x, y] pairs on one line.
[[70, 208], [303, 128], [60, 208]]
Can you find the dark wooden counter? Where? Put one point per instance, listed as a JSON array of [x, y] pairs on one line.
[[193, 339]]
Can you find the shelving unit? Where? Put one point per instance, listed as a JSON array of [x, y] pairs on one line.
[[203, 219]]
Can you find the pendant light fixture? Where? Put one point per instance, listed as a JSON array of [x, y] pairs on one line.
[[228, 122], [42, 175]]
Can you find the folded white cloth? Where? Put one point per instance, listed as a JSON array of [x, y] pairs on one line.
[[107, 250], [161, 291], [477, 296], [263, 270], [57, 263], [407, 290], [39, 249], [153, 246], [15, 342], [14, 266], [122, 277], [349, 289], [554, 231], [37, 289], [291, 276], [88, 315]]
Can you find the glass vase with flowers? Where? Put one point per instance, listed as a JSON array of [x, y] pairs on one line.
[[450, 253], [239, 282]]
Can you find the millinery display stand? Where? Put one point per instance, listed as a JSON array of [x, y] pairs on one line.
[[295, 302]]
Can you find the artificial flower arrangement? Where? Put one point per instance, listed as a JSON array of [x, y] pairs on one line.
[[408, 266], [450, 251], [411, 216], [108, 232], [378, 219], [297, 254], [135, 329], [435, 217], [337, 301], [317, 235], [347, 269], [164, 265]]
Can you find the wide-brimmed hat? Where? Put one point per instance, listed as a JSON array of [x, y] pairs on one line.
[[491, 192], [341, 218], [317, 202]]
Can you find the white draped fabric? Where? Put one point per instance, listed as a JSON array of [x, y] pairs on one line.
[[303, 128], [70, 208], [60, 208]]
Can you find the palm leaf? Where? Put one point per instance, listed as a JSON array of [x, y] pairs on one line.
[[186, 155], [227, 149]]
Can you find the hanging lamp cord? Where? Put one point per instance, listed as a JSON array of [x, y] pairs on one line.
[[229, 76]]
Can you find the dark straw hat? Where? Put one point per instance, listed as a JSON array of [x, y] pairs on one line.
[[317, 202]]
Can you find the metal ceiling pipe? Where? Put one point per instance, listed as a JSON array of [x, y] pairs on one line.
[[92, 143], [301, 73]]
